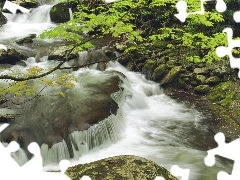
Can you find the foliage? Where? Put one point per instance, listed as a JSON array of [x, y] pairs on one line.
[[142, 22], [30, 88]]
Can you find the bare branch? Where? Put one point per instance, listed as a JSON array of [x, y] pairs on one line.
[[67, 54]]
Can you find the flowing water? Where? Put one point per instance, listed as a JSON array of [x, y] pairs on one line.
[[148, 124]]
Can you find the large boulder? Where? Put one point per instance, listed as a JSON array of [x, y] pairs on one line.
[[125, 167], [52, 117], [59, 13], [171, 75]]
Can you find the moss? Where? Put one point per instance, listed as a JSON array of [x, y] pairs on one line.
[[159, 72], [171, 75], [150, 64], [202, 89], [148, 68], [120, 167], [220, 92]]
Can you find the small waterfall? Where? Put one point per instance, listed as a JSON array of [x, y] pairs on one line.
[[39, 15], [105, 133]]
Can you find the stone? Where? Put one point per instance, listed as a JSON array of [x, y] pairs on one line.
[[170, 64], [3, 19], [110, 52], [131, 66], [28, 39], [59, 53], [124, 167], [11, 56], [59, 13], [171, 75], [203, 89], [101, 66], [148, 68], [213, 80], [125, 59], [50, 119], [201, 71], [159, 72], [200, 78]]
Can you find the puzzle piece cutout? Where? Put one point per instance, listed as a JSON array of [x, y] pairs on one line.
[[222, 51], [177, 171], [236, 16], [182, 9], [229, 151], [32, 169]]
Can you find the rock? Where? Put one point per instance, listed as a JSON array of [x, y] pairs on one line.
[[139, 67], [125, 59], [148, 68], [171, 64], [203, 89], [125, 167], [171, 75], [3, 19], [59, 13], [201, 71], [196, 80], [221, 91], [110, 52], [162, 60], [159, 72], [200, 78], [28, 39], [213, 80], [182, 84], [11, 56], [101, 66], [91, 57], [131, 66], [60, 52], [50, 119]]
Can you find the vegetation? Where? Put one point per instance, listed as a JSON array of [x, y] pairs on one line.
[[140, 24]]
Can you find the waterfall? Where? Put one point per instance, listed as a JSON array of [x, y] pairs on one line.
[[22, 25], [105, 133]]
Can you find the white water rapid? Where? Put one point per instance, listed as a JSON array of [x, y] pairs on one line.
[[148, 124]]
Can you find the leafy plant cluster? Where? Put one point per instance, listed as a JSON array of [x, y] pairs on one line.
[[143, 22]]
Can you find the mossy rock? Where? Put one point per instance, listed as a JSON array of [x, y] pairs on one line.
[[170, 64], [149, 67], [203, 89], [3, 19], [171, 75], [59, 13], [159, 72], [200, 78], [125, 59], [201, 71], [125, 167], [221, 92], [28, 39], [11, 56], [213, 80]]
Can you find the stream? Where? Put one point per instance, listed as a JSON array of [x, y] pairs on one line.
[[148, 124]]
